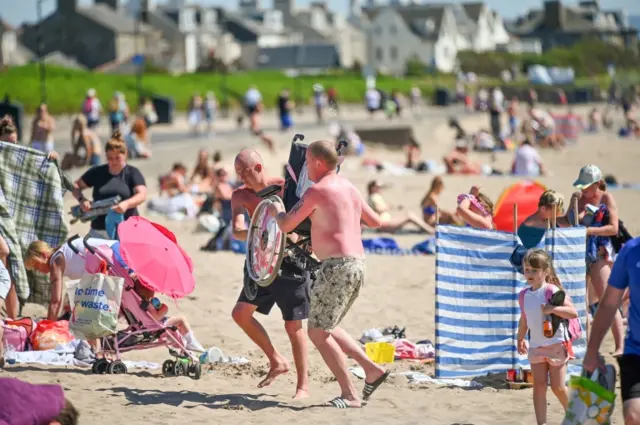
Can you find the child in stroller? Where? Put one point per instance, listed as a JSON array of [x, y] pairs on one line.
[[160, 312]]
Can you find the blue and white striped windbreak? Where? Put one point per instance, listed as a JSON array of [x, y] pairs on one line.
[[477, 291]]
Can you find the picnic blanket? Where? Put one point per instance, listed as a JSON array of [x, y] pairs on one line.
[[31, 208]]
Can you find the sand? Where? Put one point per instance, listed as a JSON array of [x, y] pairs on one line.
[[398, 291]]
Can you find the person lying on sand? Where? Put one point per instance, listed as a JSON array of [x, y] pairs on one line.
[[287, 291], [458, 161], [333, 199], [390, 224]]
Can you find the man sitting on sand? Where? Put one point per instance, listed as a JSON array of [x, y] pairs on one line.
[[288, 290], [336, 209]]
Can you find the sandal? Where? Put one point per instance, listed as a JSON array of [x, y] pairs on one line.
[[340, 403], [370, 388]]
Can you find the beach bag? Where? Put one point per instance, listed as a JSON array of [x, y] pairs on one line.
[[590, 403], [49, 333], [16, 334], [88, 106], [573, 326], [95, 305]]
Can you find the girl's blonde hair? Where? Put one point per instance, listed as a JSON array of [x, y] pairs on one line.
[[550, 198], [539, 259], [486, 202], [36, 249]]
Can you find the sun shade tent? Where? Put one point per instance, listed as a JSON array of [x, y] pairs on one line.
[[526, 195]]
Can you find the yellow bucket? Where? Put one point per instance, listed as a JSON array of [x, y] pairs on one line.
[[380, 352]]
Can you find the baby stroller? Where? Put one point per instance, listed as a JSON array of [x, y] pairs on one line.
[[267, 245], [142, 330]]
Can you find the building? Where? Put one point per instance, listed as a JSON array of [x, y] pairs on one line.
[[430, 33], [91, 35], [306, 58], [12, 52], [557, 25]]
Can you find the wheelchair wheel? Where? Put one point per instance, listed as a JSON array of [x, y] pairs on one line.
[[265, 244], [250, 288]]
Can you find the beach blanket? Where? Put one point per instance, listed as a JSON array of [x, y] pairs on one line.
[[31, 208]]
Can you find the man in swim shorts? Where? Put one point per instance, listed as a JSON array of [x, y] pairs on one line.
[[336, 209], [625, 275], [289, 290]]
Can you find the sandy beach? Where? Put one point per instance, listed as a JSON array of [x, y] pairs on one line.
[[398, 291]]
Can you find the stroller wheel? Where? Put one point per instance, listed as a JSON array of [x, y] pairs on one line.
[[250, 288], [196, 370], [117, 368], [180, 369], [168, 367], [100, 366]]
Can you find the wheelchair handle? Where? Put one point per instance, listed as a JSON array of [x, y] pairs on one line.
[[70, 242], [297, 137]]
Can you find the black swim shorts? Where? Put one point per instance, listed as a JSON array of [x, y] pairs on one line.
[[629, 376], [290, 291]]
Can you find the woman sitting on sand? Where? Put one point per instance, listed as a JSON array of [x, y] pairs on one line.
[[533, 228], [83, 138], [475, 209], [201, 176], [390, 225], [138, 140], [430, 206]]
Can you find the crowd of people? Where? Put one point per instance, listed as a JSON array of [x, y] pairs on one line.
[[611, 257]]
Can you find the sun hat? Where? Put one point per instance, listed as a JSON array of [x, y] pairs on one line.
[[91, 92], [589, 174]]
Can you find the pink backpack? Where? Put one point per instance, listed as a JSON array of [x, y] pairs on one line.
[[573, 326]]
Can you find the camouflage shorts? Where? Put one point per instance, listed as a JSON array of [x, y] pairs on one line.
[[334, 291]]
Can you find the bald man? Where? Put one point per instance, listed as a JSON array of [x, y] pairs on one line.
[[289, 290], [336, 209]]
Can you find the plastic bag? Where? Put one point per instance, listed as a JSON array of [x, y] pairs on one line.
[[95, 305], [590, 403], [49, 333]]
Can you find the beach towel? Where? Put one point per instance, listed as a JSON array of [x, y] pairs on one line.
[[31, 208]]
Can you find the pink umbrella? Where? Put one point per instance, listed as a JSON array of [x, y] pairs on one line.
[[154, 254]]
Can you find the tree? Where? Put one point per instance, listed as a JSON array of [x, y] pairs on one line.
[[414, 67]]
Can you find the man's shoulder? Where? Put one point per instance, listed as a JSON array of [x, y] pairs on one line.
[[241, 193], [631, 250]]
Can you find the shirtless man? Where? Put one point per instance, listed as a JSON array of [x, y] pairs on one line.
[[289, 290], [42, 130], [336, 209]]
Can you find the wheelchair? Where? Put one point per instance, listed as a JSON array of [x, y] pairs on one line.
[[267, 245]]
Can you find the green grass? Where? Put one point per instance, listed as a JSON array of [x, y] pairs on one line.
[[66, 87]]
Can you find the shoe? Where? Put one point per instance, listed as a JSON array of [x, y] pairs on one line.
[[195, 346]]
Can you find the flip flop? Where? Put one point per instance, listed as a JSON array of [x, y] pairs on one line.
[[370, 388], [340, 403]]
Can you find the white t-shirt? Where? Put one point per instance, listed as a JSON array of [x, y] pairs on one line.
[[94, 110], [373, 99], [527, 161], [252, 97], [74, 263], [533, 301]]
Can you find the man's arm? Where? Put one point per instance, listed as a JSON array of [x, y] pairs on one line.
[[288, 221], [369, 216], [237, 209]]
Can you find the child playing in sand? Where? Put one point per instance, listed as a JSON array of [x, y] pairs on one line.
[[159, 311], [548, 352], [475, 209]]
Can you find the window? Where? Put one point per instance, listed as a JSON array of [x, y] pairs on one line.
[[379, 54], [393, 53], [393, 30]]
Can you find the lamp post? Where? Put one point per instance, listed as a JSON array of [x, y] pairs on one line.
[[225, 72], [140, 58], [40, 48]]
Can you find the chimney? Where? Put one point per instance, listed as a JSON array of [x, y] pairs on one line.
[[554, 15], [67, 6], [285, 6]]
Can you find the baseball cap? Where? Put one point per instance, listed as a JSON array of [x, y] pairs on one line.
[[589, 174]]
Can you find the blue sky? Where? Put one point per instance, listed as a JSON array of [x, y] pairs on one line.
[[18, 11]]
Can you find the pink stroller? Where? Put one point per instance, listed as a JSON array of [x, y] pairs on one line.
[[142, 330]]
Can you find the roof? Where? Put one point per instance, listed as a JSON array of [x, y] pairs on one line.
[[116, 21], [474, 10], [306, 56], [417, 17]]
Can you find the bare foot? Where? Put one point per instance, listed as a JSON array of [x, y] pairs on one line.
[[301, 394], [274, 372]]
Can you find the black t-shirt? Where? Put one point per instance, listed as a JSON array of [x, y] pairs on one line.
[[283, 106], [106, 185]]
